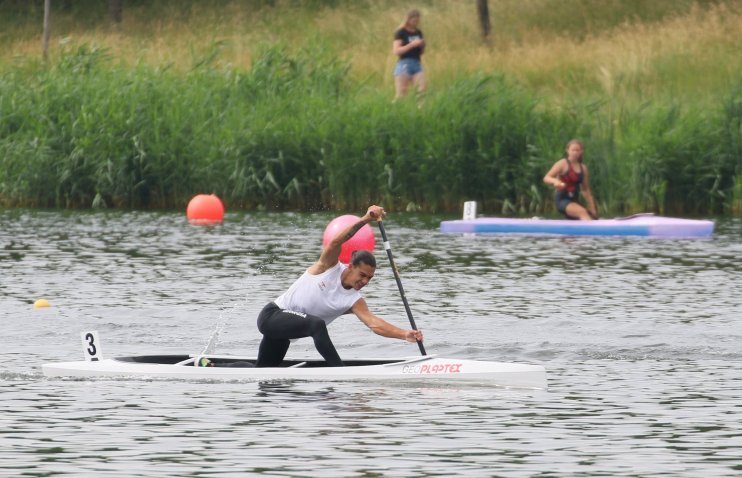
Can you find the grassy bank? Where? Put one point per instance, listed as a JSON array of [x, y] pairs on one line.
[[288, 106]]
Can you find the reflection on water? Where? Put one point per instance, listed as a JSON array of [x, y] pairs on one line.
[[640, 339]]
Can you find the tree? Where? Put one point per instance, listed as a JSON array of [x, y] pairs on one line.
[[45, 35], [115, 10], [484, 18]]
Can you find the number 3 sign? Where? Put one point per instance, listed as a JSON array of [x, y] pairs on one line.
[[91, 346]]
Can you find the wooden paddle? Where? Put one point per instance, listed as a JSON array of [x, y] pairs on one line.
[[399, 283]]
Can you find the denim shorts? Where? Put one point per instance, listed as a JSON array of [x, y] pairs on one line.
[[408, 67], [562, 200]]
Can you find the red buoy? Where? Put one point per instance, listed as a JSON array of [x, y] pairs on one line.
[[363, 239], [205, 209]]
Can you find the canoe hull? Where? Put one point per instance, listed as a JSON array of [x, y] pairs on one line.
[[429, 368], [641, 225]]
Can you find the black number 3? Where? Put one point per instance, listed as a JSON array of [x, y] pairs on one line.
[[91, 350]]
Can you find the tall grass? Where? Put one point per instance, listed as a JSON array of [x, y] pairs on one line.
[[279, 105], [294, 132], [639, 48]]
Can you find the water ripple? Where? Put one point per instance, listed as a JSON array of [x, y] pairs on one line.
[[640, 339]]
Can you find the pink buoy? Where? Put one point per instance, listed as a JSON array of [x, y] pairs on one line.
[[205, 209], [363, 239]]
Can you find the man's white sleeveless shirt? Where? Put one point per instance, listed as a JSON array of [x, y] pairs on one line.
[[320, 295]]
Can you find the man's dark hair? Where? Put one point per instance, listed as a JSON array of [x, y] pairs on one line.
[[363, 256]]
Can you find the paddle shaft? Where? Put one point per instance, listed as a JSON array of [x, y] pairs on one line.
[[388, 248]]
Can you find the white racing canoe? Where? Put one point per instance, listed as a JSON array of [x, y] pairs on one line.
[[428, 367], [223, 367]]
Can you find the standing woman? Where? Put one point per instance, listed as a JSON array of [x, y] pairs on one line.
[[568, 176], [408, 46]]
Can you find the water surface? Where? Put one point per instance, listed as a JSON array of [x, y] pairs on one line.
[[640, 337]]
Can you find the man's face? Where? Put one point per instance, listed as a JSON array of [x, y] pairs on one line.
[[360, 275]]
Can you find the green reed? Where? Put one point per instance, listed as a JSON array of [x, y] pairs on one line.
[[295, 132]]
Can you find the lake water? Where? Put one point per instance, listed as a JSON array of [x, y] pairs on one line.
[[641, 339]]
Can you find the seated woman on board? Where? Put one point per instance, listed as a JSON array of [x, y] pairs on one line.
[[569, 177]]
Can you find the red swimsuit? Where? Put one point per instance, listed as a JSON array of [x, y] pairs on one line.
[[571, 180], [571, 191]]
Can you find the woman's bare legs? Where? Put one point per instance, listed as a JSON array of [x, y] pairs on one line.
[[401, 85], [576, 211]]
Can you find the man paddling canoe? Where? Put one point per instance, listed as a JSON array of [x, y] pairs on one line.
[[326, 290]]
